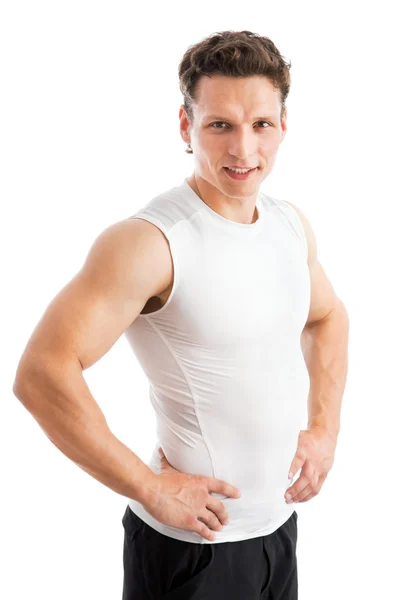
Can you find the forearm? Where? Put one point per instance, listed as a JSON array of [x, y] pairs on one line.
[[325, 349], [60, 401]]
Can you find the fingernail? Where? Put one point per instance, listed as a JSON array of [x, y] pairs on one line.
[[288, 498], [290, 475]]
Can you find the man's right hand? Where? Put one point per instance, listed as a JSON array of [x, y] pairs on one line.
[[184, 500]]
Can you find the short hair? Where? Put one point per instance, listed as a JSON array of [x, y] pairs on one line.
[[235, 54]]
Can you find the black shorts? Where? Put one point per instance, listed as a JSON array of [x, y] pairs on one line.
[[158, 567]]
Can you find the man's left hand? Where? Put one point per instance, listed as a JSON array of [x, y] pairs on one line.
[[315, 456]]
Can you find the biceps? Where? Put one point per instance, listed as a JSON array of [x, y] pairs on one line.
[[323, 296], [82, 321]]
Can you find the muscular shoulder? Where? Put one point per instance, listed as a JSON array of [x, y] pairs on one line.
[[136, 250]]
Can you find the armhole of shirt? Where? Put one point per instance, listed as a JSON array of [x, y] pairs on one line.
[[173, 251], [299, 229]]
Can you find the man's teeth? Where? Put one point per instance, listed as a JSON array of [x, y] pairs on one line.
[[239, 170]]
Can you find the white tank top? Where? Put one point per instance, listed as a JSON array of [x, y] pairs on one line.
[[227, 377]]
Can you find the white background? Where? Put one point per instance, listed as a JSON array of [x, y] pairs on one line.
[[89, 133]]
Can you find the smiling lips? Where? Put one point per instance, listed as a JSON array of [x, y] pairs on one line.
[[238, 176], [237, 167]]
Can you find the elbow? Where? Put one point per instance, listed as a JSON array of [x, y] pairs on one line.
[[22, 385], [20, 380], [17, 388], [32, 380]]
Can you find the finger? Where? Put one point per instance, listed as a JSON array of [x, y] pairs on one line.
[[296, 488], [164, 464], [203, 530], [222, 487], [297, 464], [307, 498], [310, 488], [308, 476], [218, 509], [210, 519], [303, 494], [321, 481], [316, 491]]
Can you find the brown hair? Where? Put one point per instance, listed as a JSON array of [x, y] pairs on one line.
[[235, 54]]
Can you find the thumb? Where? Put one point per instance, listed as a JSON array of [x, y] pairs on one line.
[[162, 456], [164, 464]]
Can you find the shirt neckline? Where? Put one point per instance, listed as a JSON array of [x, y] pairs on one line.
[[228, 223]]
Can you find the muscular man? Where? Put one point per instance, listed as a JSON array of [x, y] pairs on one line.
[[219, 290]]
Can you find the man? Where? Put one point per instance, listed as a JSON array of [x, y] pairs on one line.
[[219, 290]]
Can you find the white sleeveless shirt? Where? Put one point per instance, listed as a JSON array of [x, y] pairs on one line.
[[227, 377]]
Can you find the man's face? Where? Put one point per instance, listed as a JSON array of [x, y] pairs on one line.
[[236, 123]]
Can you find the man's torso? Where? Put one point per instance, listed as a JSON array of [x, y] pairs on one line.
[[221, 349]]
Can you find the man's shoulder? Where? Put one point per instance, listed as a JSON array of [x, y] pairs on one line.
[[138, 248]]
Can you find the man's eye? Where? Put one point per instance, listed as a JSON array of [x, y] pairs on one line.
[[223, 123], [266, 123]]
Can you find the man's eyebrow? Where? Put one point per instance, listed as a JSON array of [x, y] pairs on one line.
[[220, 118]]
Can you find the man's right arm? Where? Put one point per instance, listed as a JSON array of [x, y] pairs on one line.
[[127, 264]]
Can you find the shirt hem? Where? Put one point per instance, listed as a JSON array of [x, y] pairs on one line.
[[193, 537]]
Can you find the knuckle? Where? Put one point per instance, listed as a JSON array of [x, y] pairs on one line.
[[199, 528], [192, 523], [216, 523], [205, 531], [201, 480]]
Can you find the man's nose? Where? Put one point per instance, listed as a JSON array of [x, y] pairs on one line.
[[242, 145]]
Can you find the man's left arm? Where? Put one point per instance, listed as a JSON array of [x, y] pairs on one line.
[[324, 343]]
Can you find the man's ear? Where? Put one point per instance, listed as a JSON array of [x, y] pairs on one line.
[[184, 124], [284, 124]]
